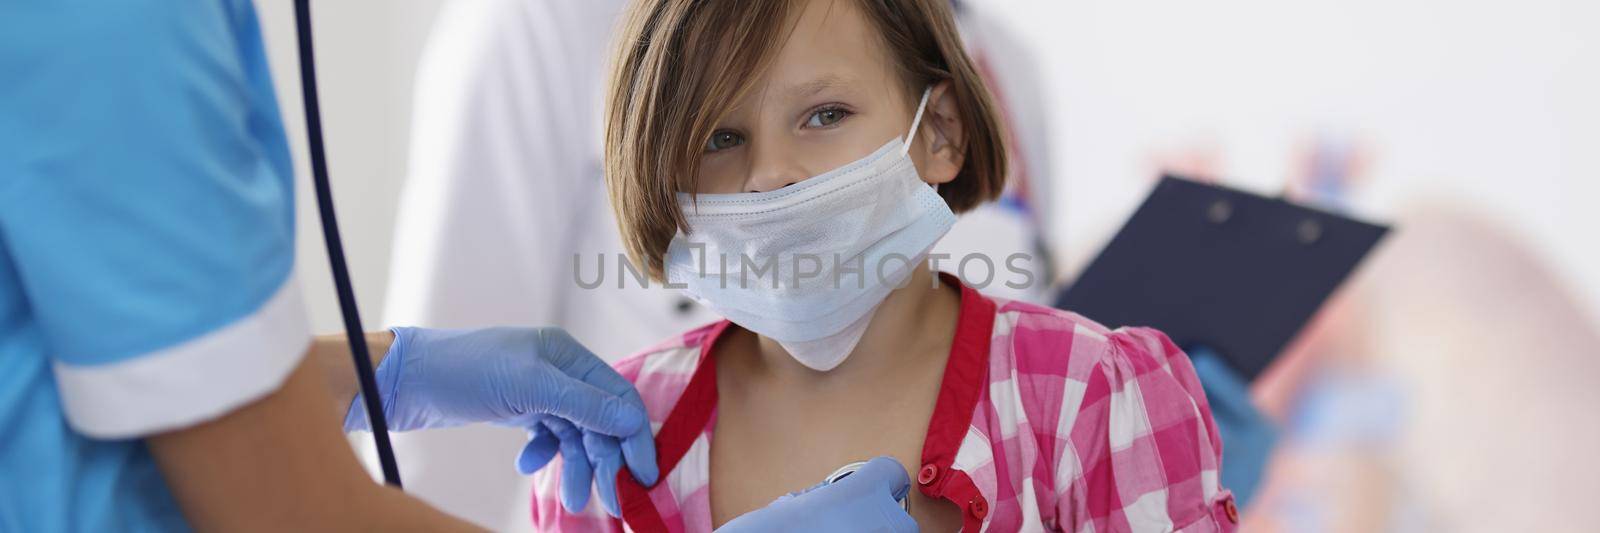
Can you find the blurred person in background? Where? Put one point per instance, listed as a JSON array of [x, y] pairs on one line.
[[1018, 224], [1451, 389], [1338, 412], [1448, 387], [1499, 363]]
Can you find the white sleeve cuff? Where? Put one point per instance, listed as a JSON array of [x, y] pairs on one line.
[[192, 382]]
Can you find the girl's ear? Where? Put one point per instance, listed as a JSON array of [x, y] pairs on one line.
[[941, 136]]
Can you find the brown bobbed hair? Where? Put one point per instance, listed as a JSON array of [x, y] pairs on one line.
[[678, 63]]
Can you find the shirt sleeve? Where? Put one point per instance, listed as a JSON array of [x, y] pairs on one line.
[[146, 203], [1147, 451]]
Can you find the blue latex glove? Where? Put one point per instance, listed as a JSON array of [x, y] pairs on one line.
[[1247, 435], [539, 379], [867, 500]]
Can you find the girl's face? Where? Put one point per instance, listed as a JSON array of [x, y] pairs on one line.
[[831, 96]]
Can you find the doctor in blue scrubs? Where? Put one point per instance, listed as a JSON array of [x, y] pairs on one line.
[[156, 368]]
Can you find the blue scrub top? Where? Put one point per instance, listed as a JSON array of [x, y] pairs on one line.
[[146, 248]]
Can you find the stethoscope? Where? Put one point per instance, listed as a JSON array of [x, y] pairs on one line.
[[330, 235], [341, 273]]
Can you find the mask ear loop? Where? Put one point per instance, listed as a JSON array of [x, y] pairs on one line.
[[916, 121]]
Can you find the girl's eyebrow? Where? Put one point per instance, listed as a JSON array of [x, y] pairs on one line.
[[808, 88]]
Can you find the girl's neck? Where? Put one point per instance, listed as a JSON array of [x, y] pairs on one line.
[[912, 322]]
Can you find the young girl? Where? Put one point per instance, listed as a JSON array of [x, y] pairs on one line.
[[758, 158]]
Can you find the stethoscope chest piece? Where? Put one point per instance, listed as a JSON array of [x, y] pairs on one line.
[[846, 470]]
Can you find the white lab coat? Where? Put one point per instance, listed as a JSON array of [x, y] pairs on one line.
[[505, 186]]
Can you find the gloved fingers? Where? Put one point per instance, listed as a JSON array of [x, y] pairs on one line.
[[594, 409], [606, 456], [866, 500], [573, 359], [576, 472], [884, 472], [541, 448], [896, 518], [803, 491], [893, 517], [557, 347], [524, 420], [881, 473], [639, 452], [586, 367], [639, 448], [609, 404]]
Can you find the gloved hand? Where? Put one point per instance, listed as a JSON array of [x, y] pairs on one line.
[[1247, 435], [540, 379], [867, 500]]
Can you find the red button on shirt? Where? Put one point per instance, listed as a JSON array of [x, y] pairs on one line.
[[926, 475], [979, 507]]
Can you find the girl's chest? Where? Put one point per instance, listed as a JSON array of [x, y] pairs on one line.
[[771, 444]]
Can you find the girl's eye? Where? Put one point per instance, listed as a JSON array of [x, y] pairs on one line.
[[723, 140], [826, 117]]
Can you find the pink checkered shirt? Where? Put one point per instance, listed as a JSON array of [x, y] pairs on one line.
[[1046, 421]]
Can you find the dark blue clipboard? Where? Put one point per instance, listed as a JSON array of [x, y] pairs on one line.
[[1214, 266]]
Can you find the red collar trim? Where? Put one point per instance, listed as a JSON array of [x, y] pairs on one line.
[[964, 377], [687, 419]]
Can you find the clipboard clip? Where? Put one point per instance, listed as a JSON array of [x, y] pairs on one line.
[[1307, 232]]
